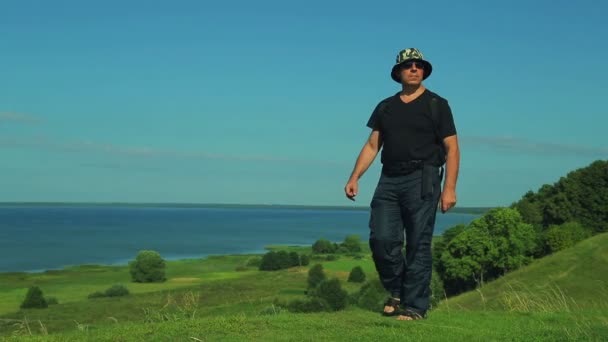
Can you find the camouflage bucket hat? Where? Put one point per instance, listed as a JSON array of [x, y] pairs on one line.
[[408, 55]]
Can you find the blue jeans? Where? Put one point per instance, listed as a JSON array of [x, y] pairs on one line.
[[401, 212]]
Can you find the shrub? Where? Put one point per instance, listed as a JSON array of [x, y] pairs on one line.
[[315, 276], [331, 257], [34, 299], [273, 261], [116, 291], [304, 259], [52, 301], [331, 291], [352, 243], [371, 296], [283, 260], [314, 304], [342, 250], [323, 246], [294, 259], [147, 267], [564, 236], [270, 262], [356, 275]]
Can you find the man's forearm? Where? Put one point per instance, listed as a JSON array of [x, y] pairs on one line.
[[452, 166], [365, 159]]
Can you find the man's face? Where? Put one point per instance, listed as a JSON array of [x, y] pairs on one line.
[[412, 73]]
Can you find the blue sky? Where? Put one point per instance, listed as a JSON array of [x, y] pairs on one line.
[[267, 101]]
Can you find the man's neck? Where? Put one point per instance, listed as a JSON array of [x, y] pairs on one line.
[[409, 90]]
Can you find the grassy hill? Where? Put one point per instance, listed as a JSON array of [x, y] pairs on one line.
[[573, 279], [562, 297]]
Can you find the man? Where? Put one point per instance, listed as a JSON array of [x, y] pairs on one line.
[[416, 132]]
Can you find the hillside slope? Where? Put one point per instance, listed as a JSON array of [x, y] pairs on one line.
[[575, 278]]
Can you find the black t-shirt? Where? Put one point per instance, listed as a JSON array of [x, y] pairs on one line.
[[408, 130]]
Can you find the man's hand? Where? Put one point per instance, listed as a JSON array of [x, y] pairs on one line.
[[351, 189], [448, 200]]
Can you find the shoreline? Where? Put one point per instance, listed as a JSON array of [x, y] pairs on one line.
[[178, 205]]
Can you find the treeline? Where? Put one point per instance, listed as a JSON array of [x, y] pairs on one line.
[[322, 249], [504, 239]]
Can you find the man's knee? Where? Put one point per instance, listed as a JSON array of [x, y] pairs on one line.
[[386, 248]]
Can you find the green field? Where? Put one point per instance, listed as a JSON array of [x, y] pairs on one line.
[[560, 297]]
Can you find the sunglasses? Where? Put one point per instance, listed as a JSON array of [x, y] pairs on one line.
[[409, 65]]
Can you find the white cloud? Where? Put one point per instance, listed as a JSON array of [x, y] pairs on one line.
[[18, 117], [527, 146], [147, 152]]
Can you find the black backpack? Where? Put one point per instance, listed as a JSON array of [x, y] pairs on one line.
[[434, 104]]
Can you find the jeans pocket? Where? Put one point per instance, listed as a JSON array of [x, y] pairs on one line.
[[429, 178]]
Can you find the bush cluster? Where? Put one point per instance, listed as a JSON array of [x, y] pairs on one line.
[[273, 261], [117, 290], [323, 294], [350, 245]]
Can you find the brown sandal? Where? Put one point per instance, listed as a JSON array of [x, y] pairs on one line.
[[412, 315], [393, 303]]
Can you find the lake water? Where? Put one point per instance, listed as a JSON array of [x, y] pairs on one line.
[[34, 238]]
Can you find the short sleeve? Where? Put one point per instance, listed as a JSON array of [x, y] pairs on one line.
[[446, 121], [375, 121]]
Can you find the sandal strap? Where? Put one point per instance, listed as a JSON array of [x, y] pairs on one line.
[[392, 302], [412, 314]]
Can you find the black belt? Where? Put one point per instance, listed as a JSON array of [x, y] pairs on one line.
[[402, 168]]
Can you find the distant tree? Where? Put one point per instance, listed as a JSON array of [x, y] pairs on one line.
[[304, 259], [468, 257], [490, 246], [513, 239], [270, 262], [440, 243], [356, 275], [294, 259], [34, 299], [579, 196], [323, 246], [331, 257], [352, 243], [530, 209], [147, 267], [315, 276], [283, 260], [273, 261]]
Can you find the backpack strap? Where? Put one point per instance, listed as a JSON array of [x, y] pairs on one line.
[[434, 103]]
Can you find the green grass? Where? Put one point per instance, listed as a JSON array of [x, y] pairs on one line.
[[348, 325], [572, 279], [561, 297], [74, 284]]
